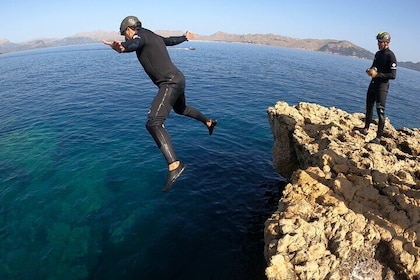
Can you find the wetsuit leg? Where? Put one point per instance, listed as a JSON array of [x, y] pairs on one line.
[[181, 108], [381, 96], [370, 102], [159, 111], [180, 105]]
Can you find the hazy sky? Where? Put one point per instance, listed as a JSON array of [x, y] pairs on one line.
[[357, 21]]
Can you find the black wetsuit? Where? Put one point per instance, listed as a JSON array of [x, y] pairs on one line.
[[153, 56], [386, 65]]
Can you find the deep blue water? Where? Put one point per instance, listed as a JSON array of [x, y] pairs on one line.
[[81, 179]]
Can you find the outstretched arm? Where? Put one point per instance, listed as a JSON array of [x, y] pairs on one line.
[[127, 46], [175, 40], [115, 45]]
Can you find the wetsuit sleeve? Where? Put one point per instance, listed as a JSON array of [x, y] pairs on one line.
[[133, 44], [391, 72], [174, 40]]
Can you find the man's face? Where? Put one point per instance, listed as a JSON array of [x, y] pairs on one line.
[[382, 45], [129, 33]]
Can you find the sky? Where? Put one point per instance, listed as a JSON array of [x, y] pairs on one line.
[[357, 21]]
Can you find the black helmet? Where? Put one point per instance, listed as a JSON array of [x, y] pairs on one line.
[[130, 21], [383, 37]]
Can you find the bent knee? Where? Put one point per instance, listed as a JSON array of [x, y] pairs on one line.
[[153, 123], [179, 111], [380, 110], [182, 111]]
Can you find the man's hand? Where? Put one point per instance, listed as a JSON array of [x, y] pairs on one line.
[[372, 72], [189, 35], [115, 45]]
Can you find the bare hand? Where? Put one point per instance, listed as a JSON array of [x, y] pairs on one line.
[[115, 45], [189, 35], [372, 72]]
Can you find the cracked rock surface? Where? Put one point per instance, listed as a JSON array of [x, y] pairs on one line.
[[351, 209]]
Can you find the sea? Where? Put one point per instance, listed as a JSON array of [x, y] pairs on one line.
[[81, 179]]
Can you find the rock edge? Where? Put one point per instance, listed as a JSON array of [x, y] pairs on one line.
[[351, 209]]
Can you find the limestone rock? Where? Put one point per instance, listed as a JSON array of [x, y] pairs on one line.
[[351, 209]]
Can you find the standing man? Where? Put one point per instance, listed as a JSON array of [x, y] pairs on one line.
[[153, 56], [383, 69]]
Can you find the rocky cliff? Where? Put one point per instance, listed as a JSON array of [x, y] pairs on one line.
[[351, 209]]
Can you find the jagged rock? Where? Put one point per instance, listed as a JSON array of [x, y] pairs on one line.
[[351, 209]]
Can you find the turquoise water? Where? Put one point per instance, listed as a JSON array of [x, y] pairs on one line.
[[81, 179]]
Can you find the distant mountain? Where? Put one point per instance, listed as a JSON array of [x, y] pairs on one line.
[[325, 45], [7, 46], [77, 39], [410, 65], [322, 45]]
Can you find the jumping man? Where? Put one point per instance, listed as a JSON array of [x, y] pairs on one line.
[[153, 56]]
